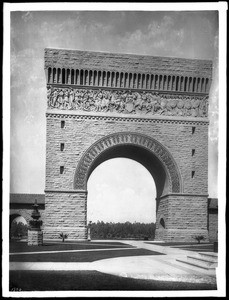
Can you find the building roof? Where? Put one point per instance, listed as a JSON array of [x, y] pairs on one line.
[[213, 203], [27, 198]]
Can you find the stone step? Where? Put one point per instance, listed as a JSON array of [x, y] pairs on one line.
[[209, 256], [202, 262], [193, 264]]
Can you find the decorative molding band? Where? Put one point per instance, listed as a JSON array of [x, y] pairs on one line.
[[127, 102], [86, 191], [20, 204], [53, 228], [110, 88], [182, 195], [66, 191], [125, 118], [127, 138]]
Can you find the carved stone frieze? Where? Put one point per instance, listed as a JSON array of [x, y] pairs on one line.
[[107, 142], [127, 102]]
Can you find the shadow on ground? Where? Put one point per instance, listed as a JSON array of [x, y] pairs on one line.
[[92, 280]]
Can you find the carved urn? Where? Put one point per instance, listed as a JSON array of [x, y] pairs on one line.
[[35, 223]]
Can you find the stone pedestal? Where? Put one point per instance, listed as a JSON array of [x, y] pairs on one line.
[[35, 234], [35, 238]]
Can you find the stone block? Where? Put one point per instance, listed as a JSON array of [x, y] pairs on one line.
[[35, 238]]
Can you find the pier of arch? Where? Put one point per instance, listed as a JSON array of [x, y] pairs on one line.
[[150, 109]]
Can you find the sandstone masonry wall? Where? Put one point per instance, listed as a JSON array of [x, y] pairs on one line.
[[213, 225], [126, 62], [185, 217], [75, 123], [80, 133]]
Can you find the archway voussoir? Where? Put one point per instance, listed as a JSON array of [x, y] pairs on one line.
[[124, 138]]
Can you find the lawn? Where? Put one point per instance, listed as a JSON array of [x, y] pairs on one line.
[[92, 280], [177, 243], [67, 253], [60, 246], [84, 280], [198, 248], [86, 256], [202, 247]]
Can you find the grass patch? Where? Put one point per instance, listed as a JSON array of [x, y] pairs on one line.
[[92, 280], [177, 243], [204, 247], [198, 248], [60, 246], [87, 256]]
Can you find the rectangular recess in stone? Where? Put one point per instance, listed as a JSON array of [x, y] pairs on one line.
[[62, 147], [62, 124], [193, 174], [61, 169], [193, 152], [193, 129]]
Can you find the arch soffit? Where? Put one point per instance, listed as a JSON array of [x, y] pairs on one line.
[[127, 138]]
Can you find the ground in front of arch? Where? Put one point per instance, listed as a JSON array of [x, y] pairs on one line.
[[112, 265]]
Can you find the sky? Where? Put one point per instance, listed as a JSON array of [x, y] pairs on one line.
[[184, 34]]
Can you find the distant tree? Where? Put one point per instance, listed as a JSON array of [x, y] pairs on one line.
[[19, 229], [126, 230]]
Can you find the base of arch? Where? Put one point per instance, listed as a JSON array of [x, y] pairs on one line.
[[180, 218], [73, 233], [65, 212], [180, 235]]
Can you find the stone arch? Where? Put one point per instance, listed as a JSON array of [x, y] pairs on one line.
[[14, 215], [144, 149], [20, 213]]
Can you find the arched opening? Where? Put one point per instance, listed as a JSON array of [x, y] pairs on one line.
[[126, 84], [121, 79], [58, 75], [99, 78], [143, 149], [54, 76], [81, 77], [18, 227], [139, 81], [117, 81], [90, 78], [130, 80], [72, 76], [121, 190], [140, 155], [63, 76], [77, 80], [108, 78], [68, 77], [140, 148], [162, 223], [86, 79], [49, 75]]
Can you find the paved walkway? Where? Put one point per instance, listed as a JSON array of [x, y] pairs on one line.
[[156, 267]]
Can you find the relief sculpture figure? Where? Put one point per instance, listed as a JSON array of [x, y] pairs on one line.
[[128, 102], [71, 99]]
